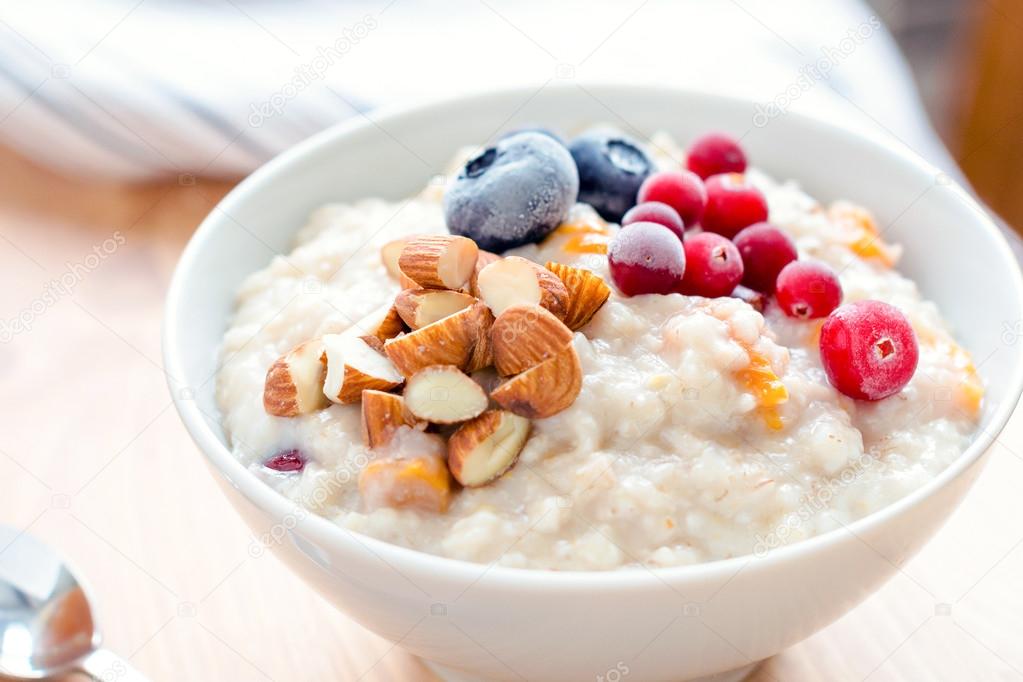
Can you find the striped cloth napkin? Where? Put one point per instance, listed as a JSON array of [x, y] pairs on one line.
[[141, 88]]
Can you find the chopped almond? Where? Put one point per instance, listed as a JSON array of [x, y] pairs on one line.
[[294, 383], [390, 253], [483, 449], [419, 482], [524, 336], [587, 293], [353, 366], [382, 415], [443, 394], [544, 390], [514, 280], [448, 341], [484, 259], [420, 307], [439, 261], [388, 326], [483, 352]]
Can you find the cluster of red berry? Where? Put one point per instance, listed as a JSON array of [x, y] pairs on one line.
[[868, 348]]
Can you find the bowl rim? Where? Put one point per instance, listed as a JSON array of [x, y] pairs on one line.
[[321, 530]]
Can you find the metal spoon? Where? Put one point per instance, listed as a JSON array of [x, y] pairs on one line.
[[46, 624]]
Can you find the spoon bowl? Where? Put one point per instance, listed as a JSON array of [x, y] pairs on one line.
[[46, 622]]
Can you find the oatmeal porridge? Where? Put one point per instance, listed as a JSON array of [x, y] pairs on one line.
[[498, 372]]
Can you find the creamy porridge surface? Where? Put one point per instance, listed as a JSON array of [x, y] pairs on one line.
[[669, 456]]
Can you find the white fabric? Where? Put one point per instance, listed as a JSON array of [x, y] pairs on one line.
[[146, 87]]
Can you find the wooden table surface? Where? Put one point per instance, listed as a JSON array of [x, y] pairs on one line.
[[94, 460]]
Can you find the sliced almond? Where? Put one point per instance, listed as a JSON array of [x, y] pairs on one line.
[[544, 390], [390, 253], [439, 261], [486, 447], [443, 394], [353, 367], [383, 414], [484, 259], [448, 341], [587, 292], [294, 383], [419, 482], [514, 280], [524, 336], [420, 307]]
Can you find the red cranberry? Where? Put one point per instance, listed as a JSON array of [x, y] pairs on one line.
[[868, 350], [646, 258], [756, 299], [682, 190], [713, 266], [808, 290], [716, 153], [286, 460], [765, 251], [732, 204], [655, 212]]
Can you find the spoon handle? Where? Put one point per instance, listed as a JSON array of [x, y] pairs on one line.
[[106, 666]]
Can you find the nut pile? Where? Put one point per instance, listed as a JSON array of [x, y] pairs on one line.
[[460, 310]]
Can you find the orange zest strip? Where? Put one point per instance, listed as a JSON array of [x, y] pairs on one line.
[[759, 379]]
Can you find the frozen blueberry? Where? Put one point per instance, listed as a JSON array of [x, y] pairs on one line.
[[553, 134], [611, 167], [512, 193]]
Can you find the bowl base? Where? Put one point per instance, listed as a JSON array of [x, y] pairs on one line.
[[736, 675]]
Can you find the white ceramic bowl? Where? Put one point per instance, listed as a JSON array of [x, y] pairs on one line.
[[493, 622]]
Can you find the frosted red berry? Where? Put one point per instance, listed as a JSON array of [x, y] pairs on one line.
[[682, 190], [286, 461], [646, 258], [807, 290], [765, 251], [655, 212], [713, 266], [716, 153], [732, 204], [868, 350]]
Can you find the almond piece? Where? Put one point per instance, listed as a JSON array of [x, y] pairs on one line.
[[388, 326], [484, 259], [406, 282], [448, 341], [587, 292], [294, 382], [390, 253], [544, 390], [439, 261], [514, 280], [526, 335], [420, 482], [353, 366], [382, 414], [443, 394], [420, 307], [482, 355], [481, 450]]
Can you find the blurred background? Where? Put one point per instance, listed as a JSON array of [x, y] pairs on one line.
[[134, 89], [122, 124]]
